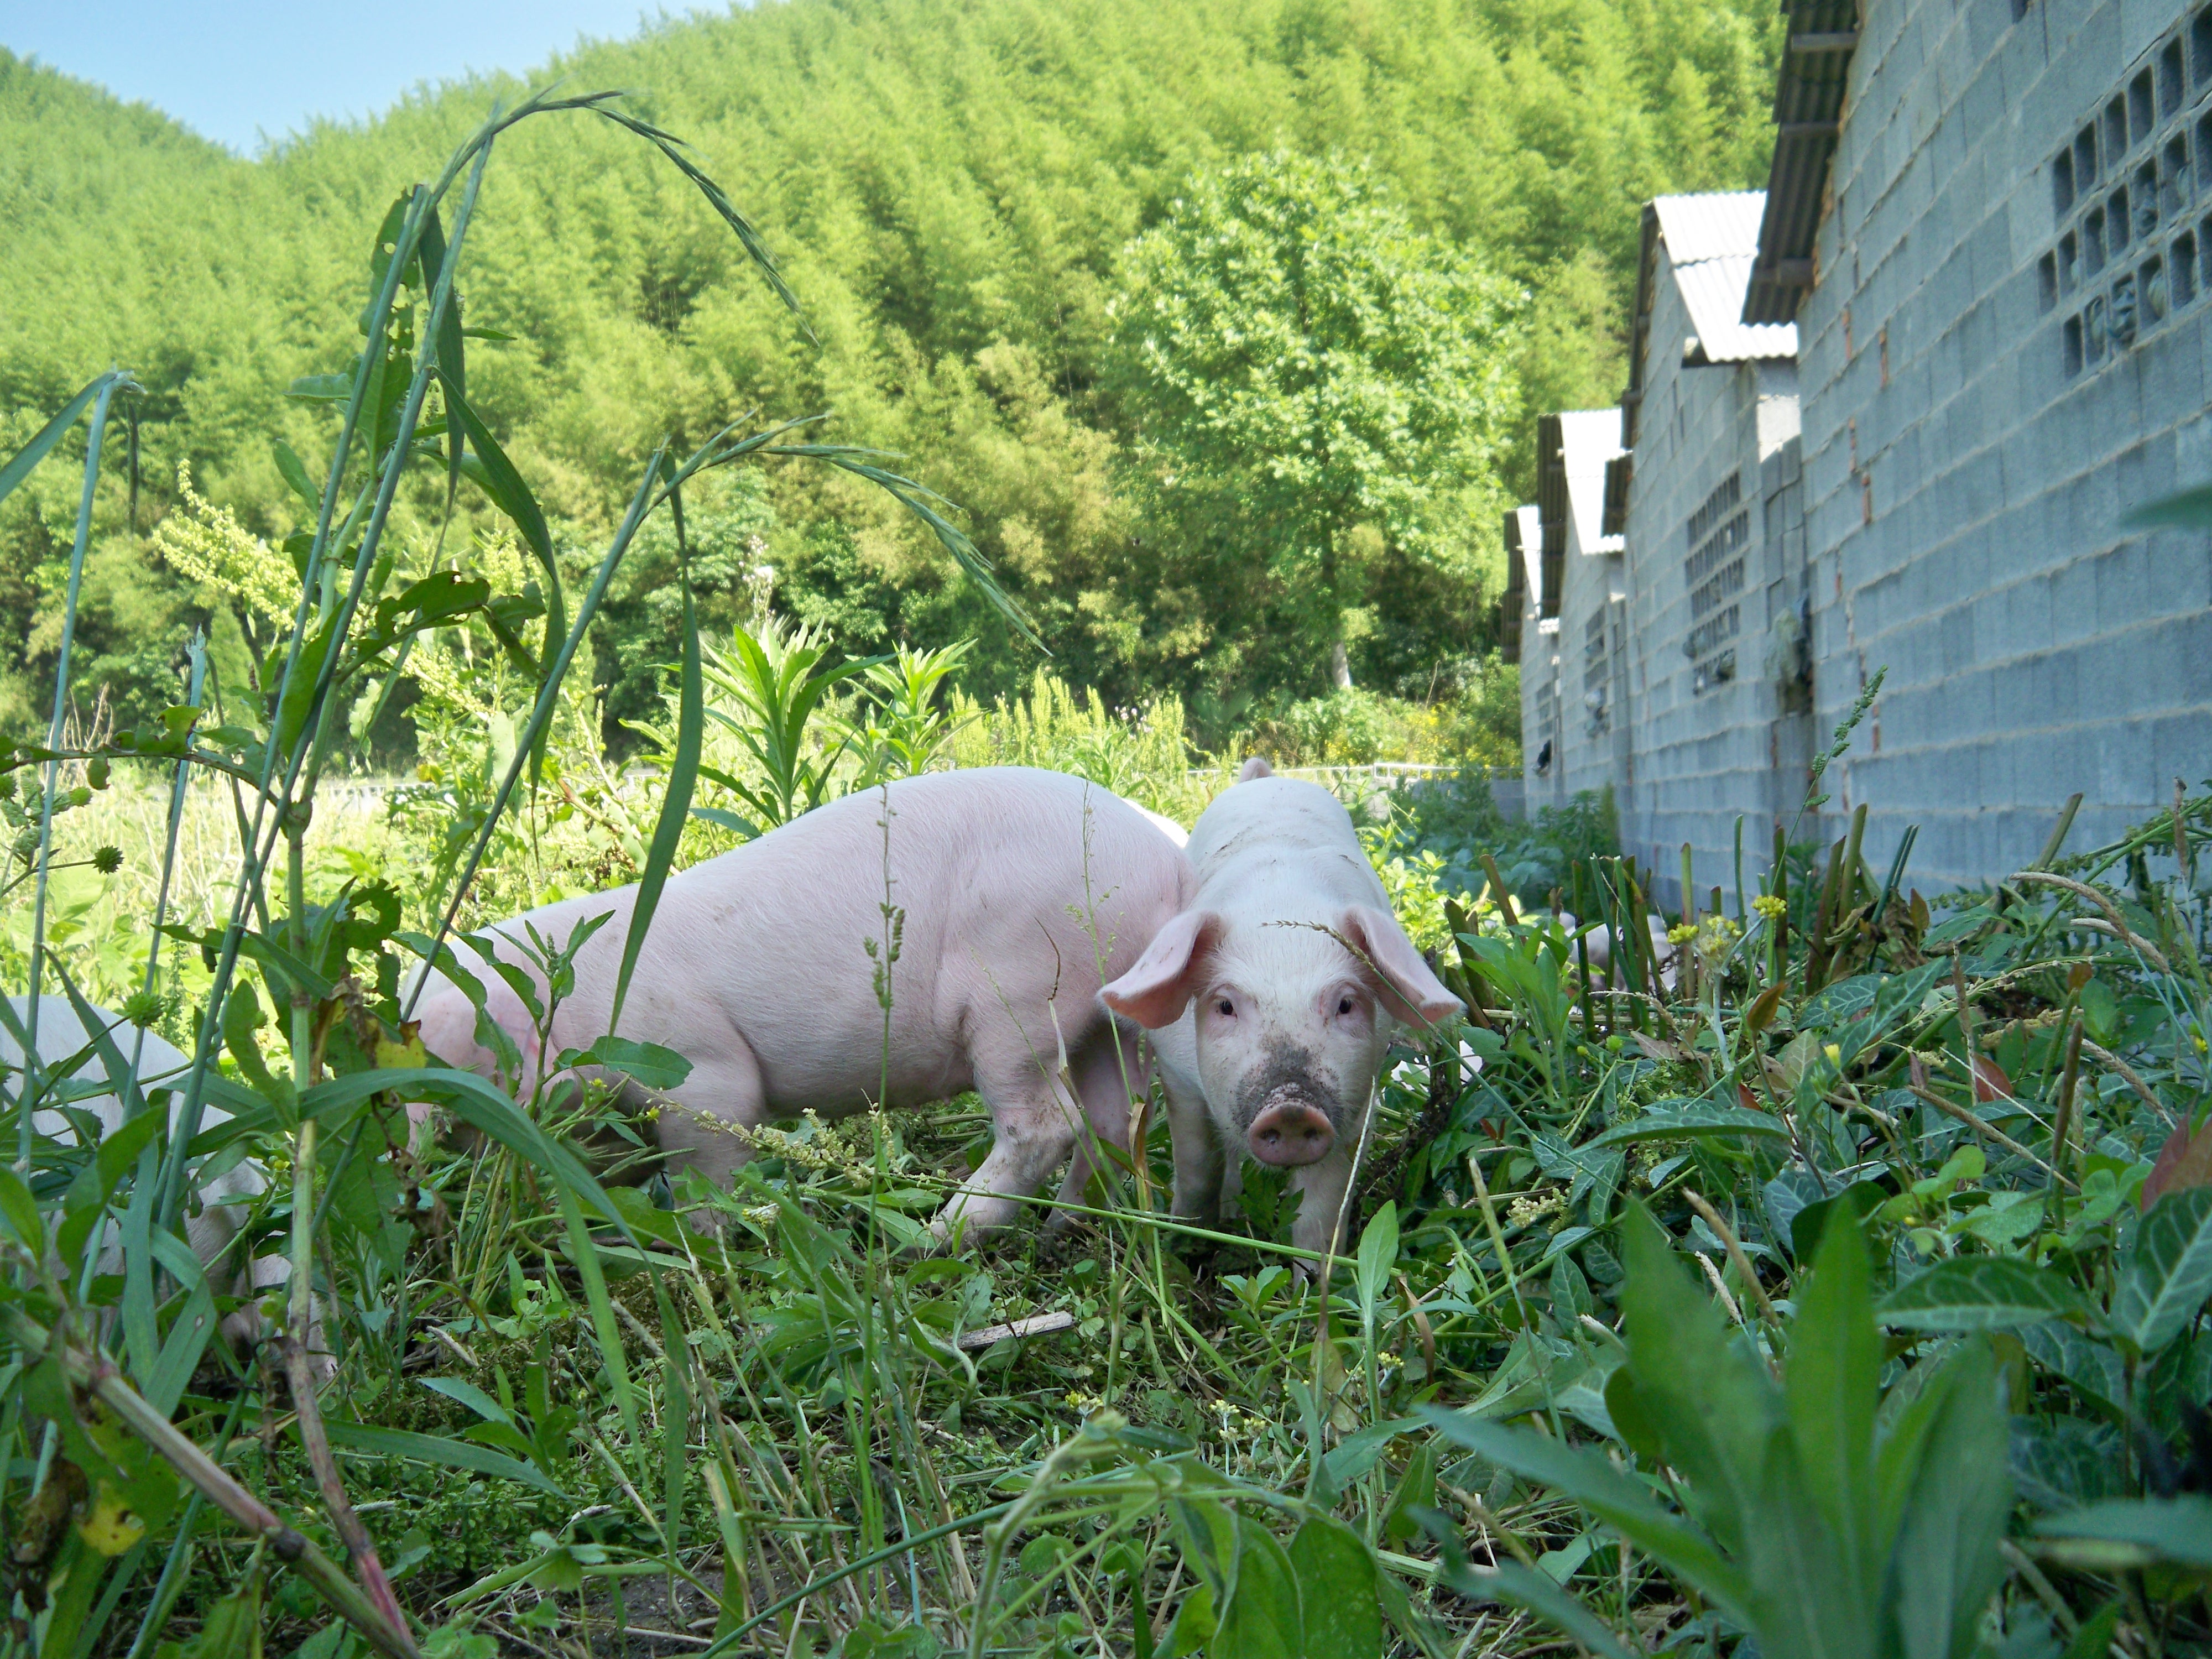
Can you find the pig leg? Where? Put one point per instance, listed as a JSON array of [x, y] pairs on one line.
[[726, 1091], [1202, 1174], [1108, 1073], [1033, 1124]]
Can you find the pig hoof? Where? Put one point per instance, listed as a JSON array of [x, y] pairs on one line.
[[1290, 1136]]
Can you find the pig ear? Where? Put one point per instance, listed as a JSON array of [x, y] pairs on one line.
[[1256, 767], [1410, 990], [1159, 987]]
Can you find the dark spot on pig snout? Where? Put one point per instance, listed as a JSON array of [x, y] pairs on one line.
[[1289, 1117]]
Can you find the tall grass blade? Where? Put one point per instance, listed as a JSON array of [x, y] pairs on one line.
[[103, 393], [673, 148], [675, 805], [33, 453], [923, 502], [448, 346], [504, 484]]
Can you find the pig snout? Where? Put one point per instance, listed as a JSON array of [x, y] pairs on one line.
[[1289, 1132]]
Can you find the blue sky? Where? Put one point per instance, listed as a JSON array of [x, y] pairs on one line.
[[235, 71]]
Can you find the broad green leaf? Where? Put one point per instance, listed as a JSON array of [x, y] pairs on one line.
[[1688, 1120], [189, 1333], [2063, 1463], [1710, 1403], [1341, 1612], [1357, 1453], [649, 1063], [1194, 1624], [231, 1628], [322, 388], [1955, 1511], [1808, 1224], [2170, 1272], [2095, 1368], [467, 1394], [2177, 1529], [436, 1449], [294, 471], [722, 819], [447, 341], [1378, 1253], [1210, 1544], [1510, 1581], [1261, 1619], [21, 1212], [1980, 1293], [1586, 1476], [512, 496], [1832, 1385], [2094, 1640]]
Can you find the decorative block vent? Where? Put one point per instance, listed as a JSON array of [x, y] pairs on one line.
[[1597, 671], [1718, 533], [2126, 250]]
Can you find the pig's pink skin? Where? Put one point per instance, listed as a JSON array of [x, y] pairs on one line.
[[1018, 887], [1272, 998]]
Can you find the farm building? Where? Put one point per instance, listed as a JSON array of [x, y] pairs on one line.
[[1893, 413]]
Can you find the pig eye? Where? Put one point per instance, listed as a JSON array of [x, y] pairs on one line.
[[1344, 1005], [1224, 1006]]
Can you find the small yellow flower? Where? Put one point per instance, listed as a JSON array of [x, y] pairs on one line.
[[1682, 933], [1835, 1053], [1772, 905]]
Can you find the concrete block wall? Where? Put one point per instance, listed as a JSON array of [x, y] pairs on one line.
[[1964, 480], [1697, 759]]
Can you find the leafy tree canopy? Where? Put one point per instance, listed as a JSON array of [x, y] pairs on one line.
[[953, 187], [1313, 368]]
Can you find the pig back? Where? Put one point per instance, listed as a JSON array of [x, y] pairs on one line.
[[1011, 888]]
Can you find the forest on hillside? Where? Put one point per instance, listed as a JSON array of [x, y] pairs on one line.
[[960, 196]]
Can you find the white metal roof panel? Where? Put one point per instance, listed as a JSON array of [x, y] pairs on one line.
[[1712, 225], [1712, 291], [1711, 241], [1589, 437]]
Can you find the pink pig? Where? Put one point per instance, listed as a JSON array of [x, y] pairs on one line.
[[1272, 998], [1023, 892]]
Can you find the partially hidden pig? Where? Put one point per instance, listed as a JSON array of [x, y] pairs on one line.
[[1021, 892], [1662, 952], [1272, 999], [219, 1206]]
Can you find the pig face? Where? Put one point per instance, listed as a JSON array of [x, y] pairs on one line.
[[1292, 1019]]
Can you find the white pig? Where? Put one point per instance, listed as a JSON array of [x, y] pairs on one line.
[[222, 1199], [1022, 892], [1273, 996]]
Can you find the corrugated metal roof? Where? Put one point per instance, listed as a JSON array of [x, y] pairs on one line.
[[1710, 227], [1713, 291], [1808, 112], [1588, 439]]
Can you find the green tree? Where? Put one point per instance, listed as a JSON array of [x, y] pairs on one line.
[[949, 183], [1328, 392]]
